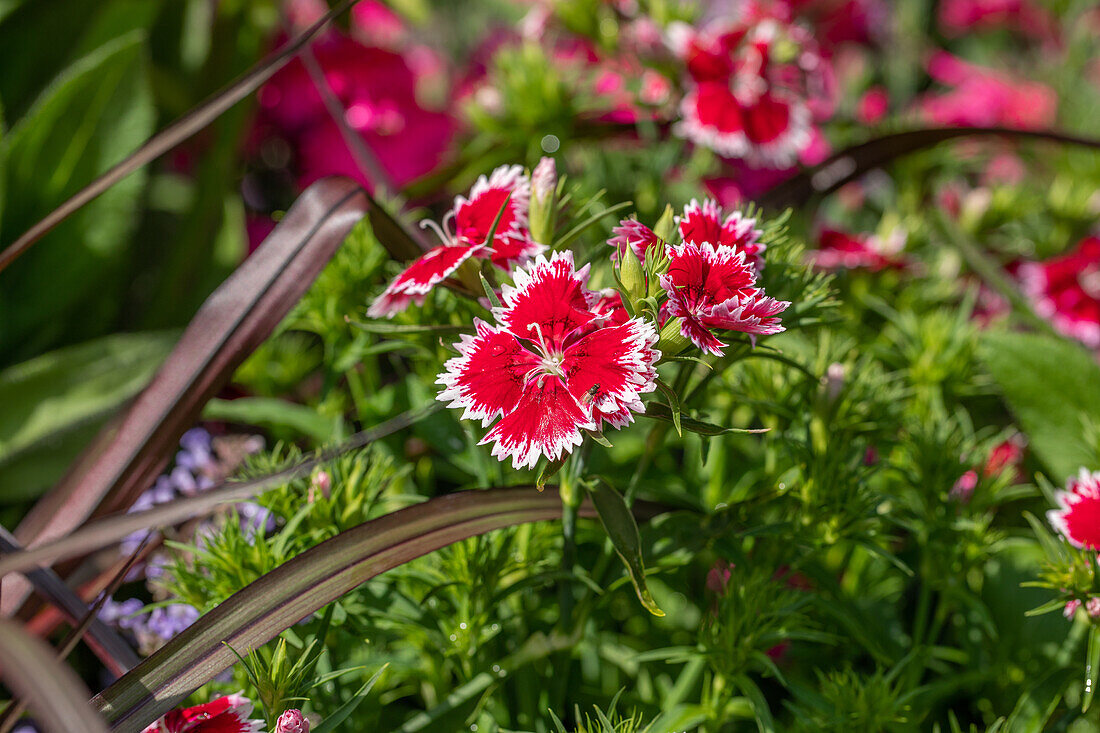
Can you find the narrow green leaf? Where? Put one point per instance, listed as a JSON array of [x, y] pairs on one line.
[[489, 292], [580, 228], [661, 411], [1057, 604], [387, 328], [268, 412], [328, 725], [619, 522], [674, 403], [1050, 384], [1092, 667], [548, 470], [760, 707]]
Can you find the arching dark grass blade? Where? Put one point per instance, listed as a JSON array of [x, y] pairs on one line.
[[851, 163], [232, 322]]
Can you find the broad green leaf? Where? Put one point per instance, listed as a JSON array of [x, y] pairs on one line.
[[619, 522], [1050, 385], [65, 394], [87, 120], [269, 412]]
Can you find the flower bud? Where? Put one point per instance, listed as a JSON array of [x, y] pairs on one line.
[[632, 276], [666, 225], [292, 721], [542, 214], [672, 341]]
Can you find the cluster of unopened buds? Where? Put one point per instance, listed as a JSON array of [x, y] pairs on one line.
[[559, 359]]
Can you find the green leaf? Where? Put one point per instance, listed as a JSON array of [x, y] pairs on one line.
[[661, 411], [86, 121], [619, 522], [53, 403], [1092, 667], [549, 469], [385, 327], [267, 412], [1038, 702], [1050, 385], [760, 707], [674, 406], [489, 292], [340, 714]]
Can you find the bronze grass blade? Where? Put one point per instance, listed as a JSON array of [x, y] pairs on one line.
[[851, 163], [108, 646], [291, 592], [174, 134], [233, 321], [109, 530], [52, 691]]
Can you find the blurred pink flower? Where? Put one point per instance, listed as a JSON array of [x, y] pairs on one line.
[[964, 487], [377, 89], [873, 106], [1066, 290], [959, 17], [982, 97], [742, 182]]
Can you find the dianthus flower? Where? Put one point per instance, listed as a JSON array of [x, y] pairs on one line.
[[634, 234], [715, 288], [1066, 290], [703, 224], [1077, 517], [472, 219], [549, 367], [754, 78], [227, 714]]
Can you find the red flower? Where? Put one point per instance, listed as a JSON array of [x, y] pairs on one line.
[[715, 288], [227, 714], [839, 250], [959, 17], [1066, 290], [550, 367], [472, 218], [873, 105], [751, 101], [1078, 515], [703, 224]]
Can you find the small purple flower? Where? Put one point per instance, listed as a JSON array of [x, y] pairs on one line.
[[123, 614], [255, 519], [196, 439], [168, 621]]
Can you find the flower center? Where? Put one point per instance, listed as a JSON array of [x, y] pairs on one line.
[[552, 359]]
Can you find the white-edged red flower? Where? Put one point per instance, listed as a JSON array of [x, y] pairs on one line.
[[464, 234], [715, 288], [702, 223], [753, 78], [227, 714], [634, 234], [1077, 517], [549, 367]]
